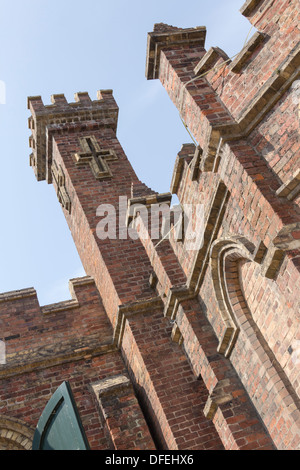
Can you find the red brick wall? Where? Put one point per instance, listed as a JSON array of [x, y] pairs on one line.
[[211, 344], [48, 345], [171, 395], [121, 270], [254, 98], [24, 396], [277, 137]]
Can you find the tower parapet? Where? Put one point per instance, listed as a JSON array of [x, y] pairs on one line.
[[83, 113]]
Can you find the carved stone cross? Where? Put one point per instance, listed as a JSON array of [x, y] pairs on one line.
[[95, 156]]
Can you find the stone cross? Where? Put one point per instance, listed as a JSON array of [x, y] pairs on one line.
[[95, 156]]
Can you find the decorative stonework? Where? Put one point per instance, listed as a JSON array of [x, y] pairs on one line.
[[217, 397], [170, 37], [46, 120], [244, 56], [95, 156], [212, 225], [291, 188], [249, 6], [58, 177], [131, 309], [14, 434], [209, 60], [122, 414], [233, 249]]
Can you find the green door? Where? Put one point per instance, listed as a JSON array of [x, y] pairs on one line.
[[59, 427]]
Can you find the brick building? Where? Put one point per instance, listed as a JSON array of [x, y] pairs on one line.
[[168, 345]]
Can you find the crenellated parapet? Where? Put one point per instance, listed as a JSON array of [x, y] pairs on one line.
[[37, 337], [61, 116], [221, 98]]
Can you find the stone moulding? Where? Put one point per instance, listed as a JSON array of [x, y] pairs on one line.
[[186, 154], [15, 434], [217, 397], [110, 385], [236, 248], [255, 111], [209, 60], [288, 238], [170, 39], [68, 304], [131, 309], [291, 188], [220, 250], [147, 201], [213, 223], [40, 359], [59, 306], [60, 181], [249, 6], [242, 58], [17, 295]]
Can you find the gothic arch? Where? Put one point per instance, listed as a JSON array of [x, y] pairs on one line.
[[226, 256], [15, 434]]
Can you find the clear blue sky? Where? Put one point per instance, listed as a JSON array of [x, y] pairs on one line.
[[66, 46]]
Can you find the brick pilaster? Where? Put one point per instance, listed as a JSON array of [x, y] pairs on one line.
[[122, 414]]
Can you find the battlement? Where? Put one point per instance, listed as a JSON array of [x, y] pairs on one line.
[[21, 296], [62, 115], [60, 105], [200, 83], [56, 324]]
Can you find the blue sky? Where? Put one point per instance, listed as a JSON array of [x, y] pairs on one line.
[[66, 46]]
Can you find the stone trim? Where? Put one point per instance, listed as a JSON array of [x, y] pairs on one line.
[[249, 6], [59, 306], [128, 310], [244, 56], [68, 304], [221, 249], [186, 154], [209, 60], [111, 385], [17, 295], [218, 396], [213, 223], [291, 188], [147, 201], [16, 433], [122, 414], [157, 41], [69, 353], [61, 191], [288, 238]]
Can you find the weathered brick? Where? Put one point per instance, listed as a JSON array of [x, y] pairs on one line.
[[200, 348]]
